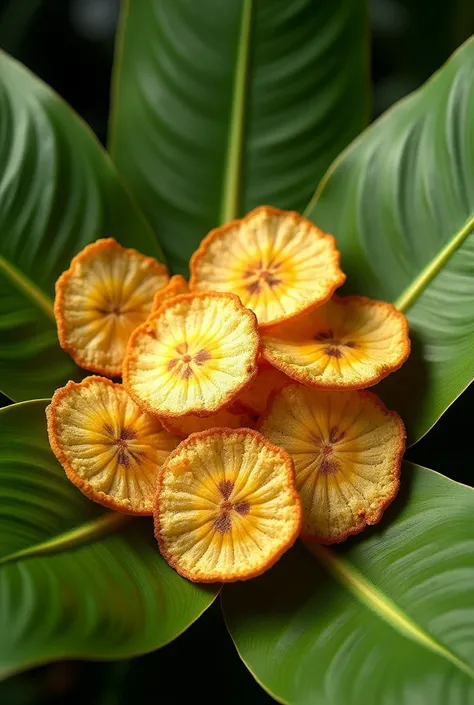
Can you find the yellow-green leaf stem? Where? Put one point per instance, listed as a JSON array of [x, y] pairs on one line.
[[424, 279], [232, 173], [386, 617], [79, 536], [219, 107], [76, 581], [59, 191], [26, 287], [400, 201], [366, 592]]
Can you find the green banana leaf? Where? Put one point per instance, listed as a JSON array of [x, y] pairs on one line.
[[400, 201], [76, 581], [219, 107], [384, 619], [58, 192]]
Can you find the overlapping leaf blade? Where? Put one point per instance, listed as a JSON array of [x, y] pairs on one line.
[[400, 201], [385, 619], [76, 581], [58, 192], [220, 107]]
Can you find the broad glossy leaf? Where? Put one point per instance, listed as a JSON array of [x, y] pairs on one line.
[[400, 201], [76, 581], [58, 192], [384, 619], [223, 106]]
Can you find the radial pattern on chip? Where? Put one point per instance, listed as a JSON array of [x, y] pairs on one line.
[[347, 450], [110, 449], [349, 343], [226, 507], [277, 262], [103, 296], [193, 356], [177, 285]]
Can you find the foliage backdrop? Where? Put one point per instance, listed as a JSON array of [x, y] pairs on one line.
[[443, 621], [243, 105], [401, 201], [58, 192]]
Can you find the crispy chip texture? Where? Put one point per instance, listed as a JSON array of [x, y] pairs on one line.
[[177, 285], [103, 296], [347, 449], [255, 397], [193, 356], [110, 449], [349, 343], [232, 417], [226, 508], [278, 263]]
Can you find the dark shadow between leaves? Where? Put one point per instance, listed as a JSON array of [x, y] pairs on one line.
[[199, 666], [447, 447], [4, 400], [295, 580]]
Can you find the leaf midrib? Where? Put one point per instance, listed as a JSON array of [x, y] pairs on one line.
[[27, 287], [367, 593], [233, 166], [408, 297], [433, 268], [73, 538]]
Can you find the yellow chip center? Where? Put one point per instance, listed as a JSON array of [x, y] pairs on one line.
[[259, 276], [188, 359], [125, 449], [223, 522], [334, 344], [328, 452]]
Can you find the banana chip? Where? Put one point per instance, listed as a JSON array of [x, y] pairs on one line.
[[349, 343], [347, 450], [103, 296], [110, 449], [193, 356], [226, 507], [277, 262], [255, 397]]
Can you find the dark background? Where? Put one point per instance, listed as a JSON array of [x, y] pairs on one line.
[[69, 43]]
